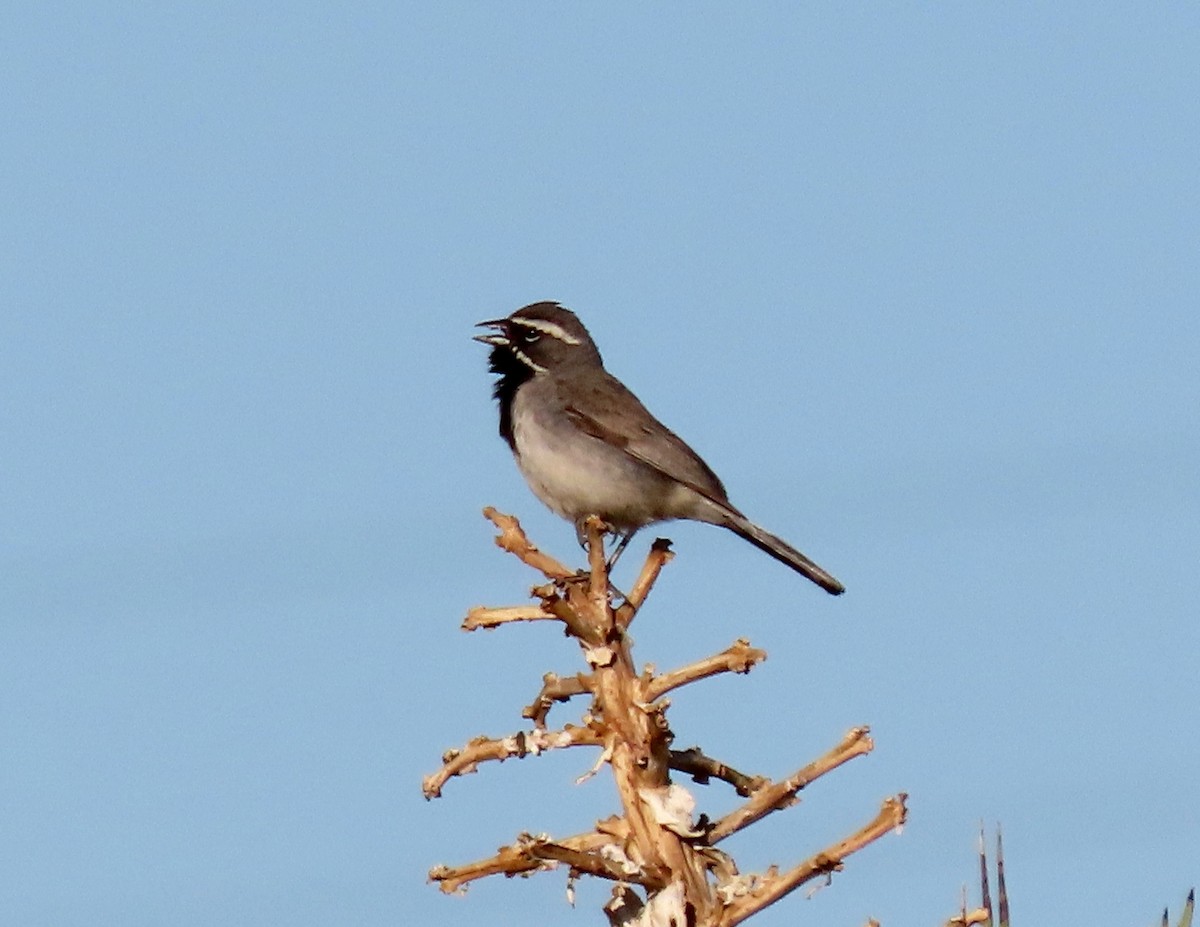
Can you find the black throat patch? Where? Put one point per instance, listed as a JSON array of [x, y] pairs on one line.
[[511, 373]]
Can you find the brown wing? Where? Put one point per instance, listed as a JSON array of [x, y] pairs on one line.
[[616, 416]]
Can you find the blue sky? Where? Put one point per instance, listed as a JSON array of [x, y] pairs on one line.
[[918, 281]]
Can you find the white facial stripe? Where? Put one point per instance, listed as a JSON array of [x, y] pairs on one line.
[[546, 328], [524, 358]]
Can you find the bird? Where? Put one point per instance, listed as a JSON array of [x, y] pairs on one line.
[[587, 446]]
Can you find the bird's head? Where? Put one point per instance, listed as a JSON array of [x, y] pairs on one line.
[[539, 337]]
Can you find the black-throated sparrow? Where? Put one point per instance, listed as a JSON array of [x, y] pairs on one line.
[[587, 446]]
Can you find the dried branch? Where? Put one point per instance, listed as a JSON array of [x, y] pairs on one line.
[[521, 744], [660, 555], [555, 689], [771, 888], [740, 657], [656, 842], [701, 768], [597, 564], [782, 794], [512, 539], [519, 858], [509, 860], [609, 863], [574, 609], [481, 617]]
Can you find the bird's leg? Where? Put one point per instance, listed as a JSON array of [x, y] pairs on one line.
[[620, 548], [581, 534]]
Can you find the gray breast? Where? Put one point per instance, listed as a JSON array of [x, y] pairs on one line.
[[576, 474]]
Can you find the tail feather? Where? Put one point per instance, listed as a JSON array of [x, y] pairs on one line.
[[782, 551]]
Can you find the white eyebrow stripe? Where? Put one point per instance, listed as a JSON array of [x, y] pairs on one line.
[[546, 328]]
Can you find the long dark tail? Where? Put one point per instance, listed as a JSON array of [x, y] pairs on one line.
[[782, 551]]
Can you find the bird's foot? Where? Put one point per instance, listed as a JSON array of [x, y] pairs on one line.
[[623, 537]]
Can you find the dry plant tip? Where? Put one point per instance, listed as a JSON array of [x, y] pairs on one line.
[[659, 852], [513, 540], [491, 618]]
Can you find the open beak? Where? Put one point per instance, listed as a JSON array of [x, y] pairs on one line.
[[497, 338]]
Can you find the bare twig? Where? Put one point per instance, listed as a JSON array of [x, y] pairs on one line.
[[660, 555], [521, 744], [701, 768], [481, 617], [518, 858], [509, 861], [738, 658], [555, 689], [771, 888], [597, 565], [612, 865], [512, 539], [857, 742]]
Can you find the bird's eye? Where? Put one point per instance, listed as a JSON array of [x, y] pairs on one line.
[[530, 335]]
